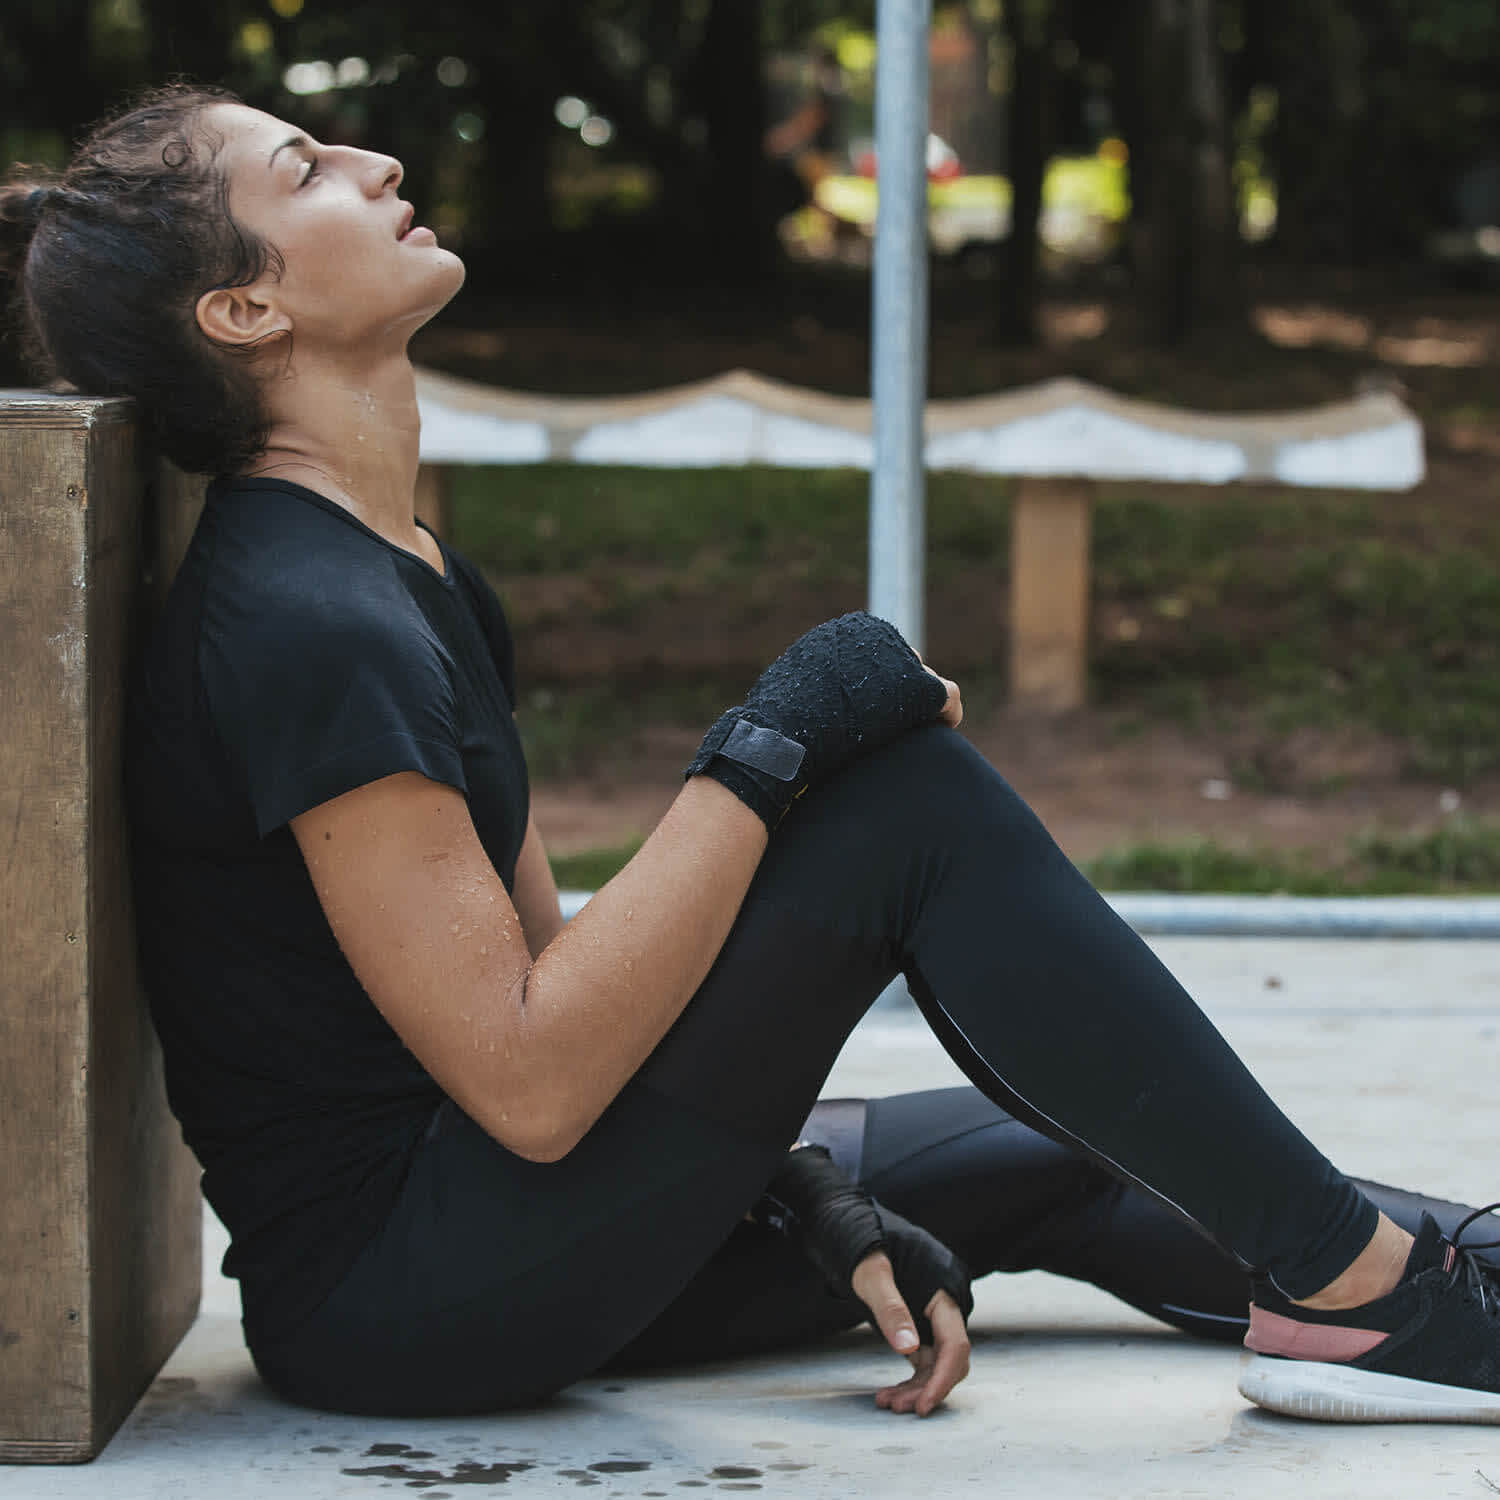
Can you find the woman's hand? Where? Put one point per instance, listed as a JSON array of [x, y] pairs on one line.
[[842, 689], [952, 711], [936, 1367]]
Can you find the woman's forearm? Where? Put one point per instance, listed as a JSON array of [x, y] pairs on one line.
[[534, 892], [609, 986]]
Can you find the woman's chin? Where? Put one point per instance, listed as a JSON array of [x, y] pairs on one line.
[[446, 285], [457, 270]]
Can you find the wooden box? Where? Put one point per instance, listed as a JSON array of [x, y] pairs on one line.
[[100, 1257]]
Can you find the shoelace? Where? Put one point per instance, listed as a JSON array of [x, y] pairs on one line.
[[1477, 1276]]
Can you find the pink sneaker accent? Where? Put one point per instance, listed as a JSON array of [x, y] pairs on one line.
[[1271, 1333]]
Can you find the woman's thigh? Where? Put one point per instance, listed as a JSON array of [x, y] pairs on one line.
[[497, 1281]]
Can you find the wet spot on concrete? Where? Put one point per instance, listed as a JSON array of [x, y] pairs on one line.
[[784, 1467], [734, 1471], [894, 1448], [738, 1486], [325, 1448], [387, 1450], [472, 1473], [620, 1466], [768, 1445], [395, 1471], [464, 1473]]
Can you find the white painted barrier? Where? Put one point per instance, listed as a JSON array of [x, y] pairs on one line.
[[1059, 438]]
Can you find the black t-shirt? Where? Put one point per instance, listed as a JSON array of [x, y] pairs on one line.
[[299, 655]]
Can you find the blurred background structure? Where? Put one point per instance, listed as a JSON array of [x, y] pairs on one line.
[[1237, 205], [630, 142]]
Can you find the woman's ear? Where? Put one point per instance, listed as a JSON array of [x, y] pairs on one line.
[[238, 315]]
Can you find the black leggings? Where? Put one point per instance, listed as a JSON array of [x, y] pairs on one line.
[[1003, 1196], [497, 1281]]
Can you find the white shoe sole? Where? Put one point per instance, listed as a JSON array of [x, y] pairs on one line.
[[1339, 1393]]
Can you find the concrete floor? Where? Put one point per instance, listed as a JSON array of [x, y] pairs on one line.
[[1386, 1053]]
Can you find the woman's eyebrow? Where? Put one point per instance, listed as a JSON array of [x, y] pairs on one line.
[[291, 140]]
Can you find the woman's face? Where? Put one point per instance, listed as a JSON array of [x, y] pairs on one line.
[[357, 269]]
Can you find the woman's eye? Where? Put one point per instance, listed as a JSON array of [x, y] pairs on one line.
[[312, 171]]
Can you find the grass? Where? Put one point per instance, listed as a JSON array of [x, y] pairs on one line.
[[559, 518], [591, 868], [1461, 858]]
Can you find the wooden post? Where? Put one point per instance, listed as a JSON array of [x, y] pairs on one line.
[[432, 497], [100, 1260], [175, 503], [1049, 593]]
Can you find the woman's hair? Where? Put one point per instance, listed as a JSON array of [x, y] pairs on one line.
[[110, 257]]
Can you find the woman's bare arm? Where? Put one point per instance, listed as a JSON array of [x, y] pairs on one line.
[[534, 893], [533, 1051]]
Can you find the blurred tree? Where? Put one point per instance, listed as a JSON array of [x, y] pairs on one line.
[[1185, 229], [1379, 109], [1033, 29], [1383, 105]]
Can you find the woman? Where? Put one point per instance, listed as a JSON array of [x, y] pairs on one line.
[[467, 1155]]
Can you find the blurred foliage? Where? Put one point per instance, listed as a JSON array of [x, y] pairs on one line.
[[1365, 114], [1462, 856]]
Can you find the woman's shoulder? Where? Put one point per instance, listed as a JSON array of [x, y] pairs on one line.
[[266, 551], [274, 589]]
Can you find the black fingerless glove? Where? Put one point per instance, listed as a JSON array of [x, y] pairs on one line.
[[837, 1224], [923, 1266], [847, 686]]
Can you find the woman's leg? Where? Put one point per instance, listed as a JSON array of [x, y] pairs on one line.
[[918, 857], [1001, 1195], [1008, 1199]]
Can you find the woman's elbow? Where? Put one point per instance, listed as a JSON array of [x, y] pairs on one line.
[[534, 1134]]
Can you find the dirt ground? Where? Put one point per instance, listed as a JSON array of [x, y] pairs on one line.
[[1098, 778], [1094, 788]]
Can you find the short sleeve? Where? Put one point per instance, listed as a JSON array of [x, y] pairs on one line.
[[491, 616], [314, 697]]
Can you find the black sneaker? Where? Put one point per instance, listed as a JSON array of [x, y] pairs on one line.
[[1427, 1352]]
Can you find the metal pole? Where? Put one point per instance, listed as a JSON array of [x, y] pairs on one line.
[[898, 315]]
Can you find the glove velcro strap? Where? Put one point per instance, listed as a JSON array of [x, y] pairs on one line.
[[757, 764], [763, 750]]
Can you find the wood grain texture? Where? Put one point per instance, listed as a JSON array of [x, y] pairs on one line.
[[99, 1213], [174, 501], [1049, 591]]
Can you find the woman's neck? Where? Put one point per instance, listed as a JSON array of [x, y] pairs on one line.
[[351, 436]]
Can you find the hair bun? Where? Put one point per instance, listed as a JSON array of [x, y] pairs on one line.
[[22, 204]]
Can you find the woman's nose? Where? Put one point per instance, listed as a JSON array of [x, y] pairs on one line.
[[384, 172]]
